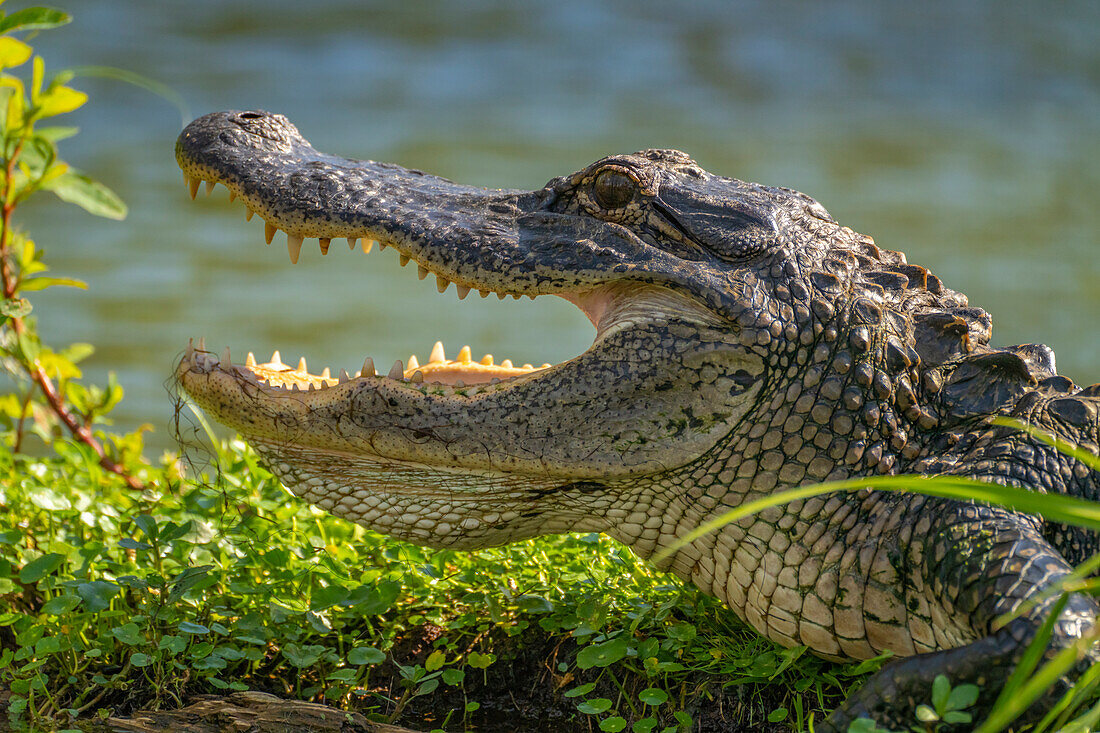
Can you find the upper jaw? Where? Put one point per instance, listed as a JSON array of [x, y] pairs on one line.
[[485, 239]]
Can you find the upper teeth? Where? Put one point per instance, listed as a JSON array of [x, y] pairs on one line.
[[294, 244], [436, 362]]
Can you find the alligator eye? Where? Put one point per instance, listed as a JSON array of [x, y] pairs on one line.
[[614, 189]]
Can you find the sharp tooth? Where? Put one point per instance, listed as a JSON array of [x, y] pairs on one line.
[[351, 243], [324, 242], [295, 388], [382, 246], [250, 360], [193, 187], [269, 232], [248, 214], [421, 271], [487, 360], [202, 343], [397, 371], [500, 296], [209, 187], [344, 376], [226, 359], [190, 353], [367, 245], [483, 293], [232, 195], [441, 283], [368, 368], [403, 259], [464, 355], [459, 384], [437, 353], [528, 366], [326, 374], [302, 365], [276, 359], [293, 247], [413, 363], [463, 291], [312, 386], [532, 297], [507, 363], [516, 296], [417, 377], [547, 365]]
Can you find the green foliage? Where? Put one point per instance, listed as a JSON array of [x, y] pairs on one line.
[[225, 582], [48, 400]]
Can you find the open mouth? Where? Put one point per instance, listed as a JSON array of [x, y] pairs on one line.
[[435, 373]]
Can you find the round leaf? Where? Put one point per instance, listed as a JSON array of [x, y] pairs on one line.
[[128, 634], [962, 697], [602, 655], [40, 567], [479, 661], [595, 706], [361, 655], [653, 696], [435, 660], [60, 604]]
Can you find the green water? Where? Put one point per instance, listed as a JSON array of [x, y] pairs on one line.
[[966, 137]]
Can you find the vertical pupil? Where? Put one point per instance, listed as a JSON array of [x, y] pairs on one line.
[[614, 189]]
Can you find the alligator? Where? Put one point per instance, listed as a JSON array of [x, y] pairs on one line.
[[745, 343]]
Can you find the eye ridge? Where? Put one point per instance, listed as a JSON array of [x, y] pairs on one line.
[[614, 188]]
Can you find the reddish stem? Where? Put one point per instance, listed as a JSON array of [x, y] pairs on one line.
[[34, 370]]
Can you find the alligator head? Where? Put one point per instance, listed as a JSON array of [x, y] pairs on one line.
[[712, 298]]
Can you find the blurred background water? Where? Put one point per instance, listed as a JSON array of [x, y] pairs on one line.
[[965, 134]]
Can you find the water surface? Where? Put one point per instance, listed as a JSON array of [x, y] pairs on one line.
[[967, 137]]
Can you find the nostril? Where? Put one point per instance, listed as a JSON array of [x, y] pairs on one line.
[[250, 115]]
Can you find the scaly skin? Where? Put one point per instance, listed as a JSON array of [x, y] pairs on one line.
[[746, 343]]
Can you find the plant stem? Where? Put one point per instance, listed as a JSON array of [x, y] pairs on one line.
[[34, 370]]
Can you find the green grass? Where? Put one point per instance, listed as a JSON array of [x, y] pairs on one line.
[[116, 600], [219, 580]]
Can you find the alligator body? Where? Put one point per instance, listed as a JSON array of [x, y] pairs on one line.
[[745, 343]]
